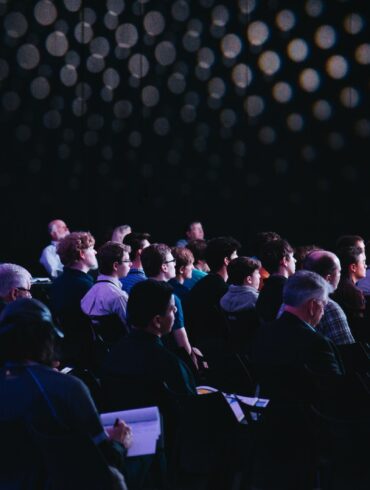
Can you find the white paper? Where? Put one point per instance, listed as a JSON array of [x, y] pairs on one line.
[[146, 428]]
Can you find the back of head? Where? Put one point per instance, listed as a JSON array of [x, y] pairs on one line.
[[136, 241], [322, 262], [273, 252], [304, 286], [240, 268], [198, 249], [261, 239], [27, 332], [70, 247], [108, 254], [148, 299], [12, 276], [153, 257], [218, 249], [120, 232]]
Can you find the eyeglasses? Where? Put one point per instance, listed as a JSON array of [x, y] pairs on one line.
[[169, 261], [126, 261]]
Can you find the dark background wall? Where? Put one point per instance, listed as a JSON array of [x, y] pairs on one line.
[[249, 115]]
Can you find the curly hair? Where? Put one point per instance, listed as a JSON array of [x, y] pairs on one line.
[[70, 247]]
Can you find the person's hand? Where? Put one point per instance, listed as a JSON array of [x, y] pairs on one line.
[[198, 359], [121, 432]]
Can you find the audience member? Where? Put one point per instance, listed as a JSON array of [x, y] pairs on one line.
[[202, 306], [257, 245], [348, 295], [78, 256], [120, 232], [364, 283], [244, 279], [292, 341], [184, 270], [50, 259], [151, 309], [15, 282], [201, 269], [106, 297], [277, 258], [137, 242], [333, 323], [33, 392], [194, 231], [159, 264]]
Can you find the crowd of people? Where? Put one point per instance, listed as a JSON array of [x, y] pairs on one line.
[[179, 315]]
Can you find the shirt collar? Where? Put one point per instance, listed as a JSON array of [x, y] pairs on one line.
[[103, 277]]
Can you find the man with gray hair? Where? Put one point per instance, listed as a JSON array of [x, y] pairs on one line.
[[50, 259], [15, 282], [333, 323], [291, 343]]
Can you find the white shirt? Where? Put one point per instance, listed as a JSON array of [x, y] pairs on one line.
[[105, 298], [51, 260]]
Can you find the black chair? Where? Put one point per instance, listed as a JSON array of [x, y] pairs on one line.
[[110, 328], [241, 329]]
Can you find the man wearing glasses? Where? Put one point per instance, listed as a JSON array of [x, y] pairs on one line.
[[106, 297], [15, 282]]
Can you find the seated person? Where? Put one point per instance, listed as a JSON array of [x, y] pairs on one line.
[[244, 279], [106, 297], [49, 257], [184, 269], [256, 246], [277, 258], [78, 256], [292, 341], [202, 311], [151, 309], [333, 323], [137, 242], [15, 282], [159, 264], [36, 393], [348, 295], [194, 231], [201, 269], [120, 232]]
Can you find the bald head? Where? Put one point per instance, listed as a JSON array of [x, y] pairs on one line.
[[324, 263], [58, 230]]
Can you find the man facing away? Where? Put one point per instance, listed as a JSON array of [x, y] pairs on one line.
[[333, 323], [50, 259]]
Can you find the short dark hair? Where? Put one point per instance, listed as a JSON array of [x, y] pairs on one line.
[[136, 241], [273, 253], [27, 332], [108, 254], [148, 299], [300, 254], [198, 249], [240, 268], [260, 240], [70, 247], [348, 256], [219, 248], [153, 257], [320, 261], [348, 241]]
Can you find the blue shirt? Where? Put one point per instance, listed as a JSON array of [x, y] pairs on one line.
[[132, 278]]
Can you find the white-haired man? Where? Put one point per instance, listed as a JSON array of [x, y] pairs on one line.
[[15, 282], [50, 259]]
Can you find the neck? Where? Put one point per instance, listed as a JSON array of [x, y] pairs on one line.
[[136, 264], [180, 278], [281, 272], [160, 277], [223, 273], [80, 267], [300, 313]]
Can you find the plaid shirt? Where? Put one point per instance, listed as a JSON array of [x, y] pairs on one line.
[[334, 324]]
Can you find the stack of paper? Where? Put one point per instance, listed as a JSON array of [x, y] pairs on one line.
[[145, 424]]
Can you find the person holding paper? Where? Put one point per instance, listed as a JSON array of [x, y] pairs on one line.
[[151, 311], [34, 392]]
